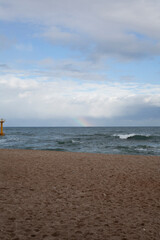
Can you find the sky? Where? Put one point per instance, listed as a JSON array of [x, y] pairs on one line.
[[80, 62]]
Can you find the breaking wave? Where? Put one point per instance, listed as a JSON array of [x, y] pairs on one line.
[[133, 136], [116, 140]]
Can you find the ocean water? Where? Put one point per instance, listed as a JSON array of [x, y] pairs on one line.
[[112, 140]]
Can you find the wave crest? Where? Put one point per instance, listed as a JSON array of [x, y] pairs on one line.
[[132, 136]]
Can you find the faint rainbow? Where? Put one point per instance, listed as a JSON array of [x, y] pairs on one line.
[[81, 121]]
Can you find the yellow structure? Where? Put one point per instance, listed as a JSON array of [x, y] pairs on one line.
[[2, 133]]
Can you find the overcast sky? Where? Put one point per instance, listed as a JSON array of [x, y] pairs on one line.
[[80, 62]]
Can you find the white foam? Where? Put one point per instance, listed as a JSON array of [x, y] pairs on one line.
[[76, 141], [124, 136]]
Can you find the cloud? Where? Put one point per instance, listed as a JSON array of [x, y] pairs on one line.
[[31, 99], [24, 47], [5, 43], [122, 29], [72, 69], [83, 85], [4, 66]]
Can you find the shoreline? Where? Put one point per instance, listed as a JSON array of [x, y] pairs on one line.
[[65, 195], [95, 153]]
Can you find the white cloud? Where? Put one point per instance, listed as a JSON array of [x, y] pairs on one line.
[[12, 82], [24, 47], [71, 88], [29, 98], [122, 28]]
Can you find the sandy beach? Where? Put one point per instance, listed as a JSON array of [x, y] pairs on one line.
[[60, 195]]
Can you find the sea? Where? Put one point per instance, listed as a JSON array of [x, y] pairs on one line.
[[110, 140]]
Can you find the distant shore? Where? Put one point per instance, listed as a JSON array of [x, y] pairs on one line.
[[63, 195]]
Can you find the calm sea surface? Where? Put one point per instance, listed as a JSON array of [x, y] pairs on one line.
[[114, 140]]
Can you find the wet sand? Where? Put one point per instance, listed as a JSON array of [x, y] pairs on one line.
[[56, 195]]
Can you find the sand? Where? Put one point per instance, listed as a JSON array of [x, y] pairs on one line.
[[56, 195]]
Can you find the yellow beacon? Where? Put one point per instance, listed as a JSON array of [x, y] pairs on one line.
[[2, 121]]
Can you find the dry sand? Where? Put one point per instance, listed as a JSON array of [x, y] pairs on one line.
[[56, 195]]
